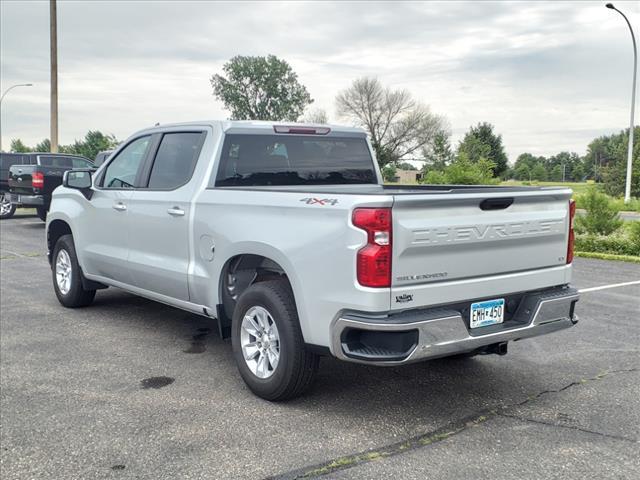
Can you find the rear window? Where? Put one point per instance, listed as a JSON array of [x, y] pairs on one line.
[[9, 159], [260, 160], [64, 162]]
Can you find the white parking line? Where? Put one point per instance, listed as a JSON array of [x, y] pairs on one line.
[[613, 285]]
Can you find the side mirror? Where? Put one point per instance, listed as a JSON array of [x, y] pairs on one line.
[[78, 180]]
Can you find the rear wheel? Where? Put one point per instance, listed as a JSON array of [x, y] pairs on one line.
[[7, 209], [267, 342], [42, 213], [67, 275]]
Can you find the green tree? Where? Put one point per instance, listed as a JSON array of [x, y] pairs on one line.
[[389, 172], [438, 153], [43, 146], [398, 125], [601, 218], [577, 172], [19, 147], [481, 142], [524, 165], [260, 88], [614, 164], [567, 161], [538, 172], [94, 141], [406, 166], [522, 172], [556, 174]]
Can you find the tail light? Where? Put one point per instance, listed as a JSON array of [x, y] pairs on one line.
[[37, 180], [374, 259], [572, 236]]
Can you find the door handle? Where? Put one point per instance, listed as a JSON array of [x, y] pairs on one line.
[[176, 212], [496, 203], [120, 207]]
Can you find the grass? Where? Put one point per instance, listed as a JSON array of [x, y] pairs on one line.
[[577, 187], [608, 256]]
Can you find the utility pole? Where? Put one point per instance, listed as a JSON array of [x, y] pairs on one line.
[[53, 31]]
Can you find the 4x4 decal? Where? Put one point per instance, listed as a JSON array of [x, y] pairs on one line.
[[323, 201]]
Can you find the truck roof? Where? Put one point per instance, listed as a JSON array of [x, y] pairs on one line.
[[256, 126]]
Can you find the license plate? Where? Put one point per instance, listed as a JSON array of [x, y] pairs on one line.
[[487, 313]]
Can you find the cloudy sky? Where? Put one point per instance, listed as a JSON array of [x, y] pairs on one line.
[[549, 75]]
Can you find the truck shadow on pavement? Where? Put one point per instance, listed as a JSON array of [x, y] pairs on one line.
[[405, 397]]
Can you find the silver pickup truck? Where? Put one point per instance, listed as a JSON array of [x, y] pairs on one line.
[[286, 237]]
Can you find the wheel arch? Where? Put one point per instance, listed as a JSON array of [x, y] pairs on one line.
[[56, 229], [242, 270], [248, 269]]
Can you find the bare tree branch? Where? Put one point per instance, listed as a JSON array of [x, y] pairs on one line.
[[397, 124]]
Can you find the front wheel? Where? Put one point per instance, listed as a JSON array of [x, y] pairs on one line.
[[7, 209], [67, 275], [267, 342]]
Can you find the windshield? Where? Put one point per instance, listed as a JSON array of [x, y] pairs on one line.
[[259, 160]]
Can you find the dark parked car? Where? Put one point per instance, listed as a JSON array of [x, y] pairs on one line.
[[101, 157], [31, 183], [7, 209]]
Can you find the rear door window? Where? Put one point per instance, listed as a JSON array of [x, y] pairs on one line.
[[56, 161], [175, 160], [255, 160]]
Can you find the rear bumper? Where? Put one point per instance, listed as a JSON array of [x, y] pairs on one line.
[[35, 200], [439, 332]]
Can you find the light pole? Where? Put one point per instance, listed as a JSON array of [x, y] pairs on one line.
[[627, 188], [2, 98], [53, 36]]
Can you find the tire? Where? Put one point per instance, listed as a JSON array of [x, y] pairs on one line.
[[42, 213], [7, 209], [70, 294], [296, 367]]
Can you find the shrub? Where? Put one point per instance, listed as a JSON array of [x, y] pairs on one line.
[[435, 177], [601, 217], [614, 244], [463, 171], [634, 232], [617, 203]]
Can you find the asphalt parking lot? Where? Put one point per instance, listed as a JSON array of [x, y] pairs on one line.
[[129, 388]]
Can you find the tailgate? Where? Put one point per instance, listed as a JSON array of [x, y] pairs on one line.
[[20, 179], [462, 236]]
